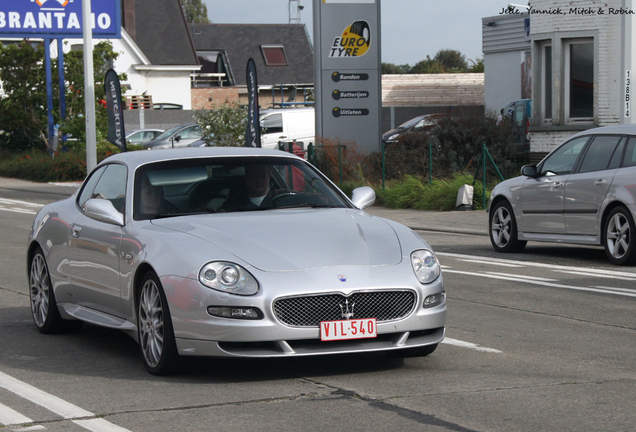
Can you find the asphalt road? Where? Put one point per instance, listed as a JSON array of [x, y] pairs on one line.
[[537, 341]]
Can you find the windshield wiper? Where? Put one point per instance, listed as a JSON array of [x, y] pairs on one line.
[[312, 205], [184, 213]]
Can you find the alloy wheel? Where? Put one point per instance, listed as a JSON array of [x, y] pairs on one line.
[[40, 290], [618, 236], [151, 323]]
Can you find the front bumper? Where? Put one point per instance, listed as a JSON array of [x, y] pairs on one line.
[[200, 334]]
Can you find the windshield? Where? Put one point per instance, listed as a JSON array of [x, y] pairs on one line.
[[169, 132], [230, 184], [410, 123]]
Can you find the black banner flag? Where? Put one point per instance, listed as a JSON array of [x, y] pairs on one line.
[[253, 132], [116, 130]]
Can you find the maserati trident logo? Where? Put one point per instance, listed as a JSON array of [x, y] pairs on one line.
[[346, 309], [342, 278]]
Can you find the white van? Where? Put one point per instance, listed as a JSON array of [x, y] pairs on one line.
[[288, 125]]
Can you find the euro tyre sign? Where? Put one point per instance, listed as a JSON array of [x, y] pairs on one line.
[[58, 18]]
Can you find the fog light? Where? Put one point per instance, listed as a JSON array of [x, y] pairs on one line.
[[248, 313], [434, 300]]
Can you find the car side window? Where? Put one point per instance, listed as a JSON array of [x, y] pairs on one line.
[[272, 124], [89, 186], [112, 186], [520, 114], [599, 153], [563, 159], [630, 153], [618, 155]]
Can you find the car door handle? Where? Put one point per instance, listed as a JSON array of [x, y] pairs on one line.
[[600, 182], [76, 231], [557, 185]]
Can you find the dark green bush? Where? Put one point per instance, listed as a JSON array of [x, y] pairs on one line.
[[39, 166]]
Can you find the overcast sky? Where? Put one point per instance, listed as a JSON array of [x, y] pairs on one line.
[[411, 29]]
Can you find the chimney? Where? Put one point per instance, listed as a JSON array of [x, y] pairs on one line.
[[128, 17]]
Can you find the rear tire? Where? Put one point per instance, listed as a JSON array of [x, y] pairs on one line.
[[44, 311], [502, 229], [618, 237], [154, 325]]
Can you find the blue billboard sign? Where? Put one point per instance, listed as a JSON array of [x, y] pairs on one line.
[[56, 19]]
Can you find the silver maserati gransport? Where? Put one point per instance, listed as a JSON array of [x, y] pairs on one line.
[[232, 252]]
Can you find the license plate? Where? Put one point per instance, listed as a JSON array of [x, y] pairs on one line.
[[348, 329]]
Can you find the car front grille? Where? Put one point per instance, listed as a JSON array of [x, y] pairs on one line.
[[309, 311]]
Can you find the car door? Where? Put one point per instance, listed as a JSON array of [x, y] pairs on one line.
[[272, 130], [586, 189], [542, 196], [187, 136], [95, 246]]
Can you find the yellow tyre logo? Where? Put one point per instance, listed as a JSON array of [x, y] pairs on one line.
[[354, 42]]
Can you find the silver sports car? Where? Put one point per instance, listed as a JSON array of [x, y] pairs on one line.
[[233, 252]]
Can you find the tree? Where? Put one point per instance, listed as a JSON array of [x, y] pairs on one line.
[[196, 11], [452, 60], [390, 68], [428, 66], [23, 113], [75, 124], [23, 118], [224, 126], [477, 65]]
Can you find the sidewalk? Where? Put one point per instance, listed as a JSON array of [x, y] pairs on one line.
[[466, 222]]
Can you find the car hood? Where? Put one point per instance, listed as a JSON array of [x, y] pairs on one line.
[[296, 239], [386, 135]]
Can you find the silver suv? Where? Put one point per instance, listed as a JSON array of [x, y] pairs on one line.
[[583, 192]]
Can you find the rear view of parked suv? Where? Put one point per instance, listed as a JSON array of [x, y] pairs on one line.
[[583, 192]]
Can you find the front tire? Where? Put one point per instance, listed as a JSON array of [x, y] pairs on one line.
[[618, 237], [156, 336], [502, 228]]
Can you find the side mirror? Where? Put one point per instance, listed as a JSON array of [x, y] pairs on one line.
[[363, 197], [529, 170], [104, 211]]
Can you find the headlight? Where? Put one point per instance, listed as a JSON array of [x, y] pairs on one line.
[[228, 277], [393, 137], [425, 266]]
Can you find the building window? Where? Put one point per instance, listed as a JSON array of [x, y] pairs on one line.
[[214, 71], [566, 78], [579, 80], [274, 55]]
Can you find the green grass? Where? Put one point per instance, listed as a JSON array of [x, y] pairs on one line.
[[415, 193]]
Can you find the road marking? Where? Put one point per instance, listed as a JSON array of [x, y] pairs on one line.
[[600, 275], [540, 265], [18, 206], [15, 210], [469, 345], [523, 276], [58, 406], [10, 417], [491, 263], [543, 283], [18, 202]]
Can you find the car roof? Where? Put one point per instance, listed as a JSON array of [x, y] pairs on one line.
[[141, 157], [609, 130]]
